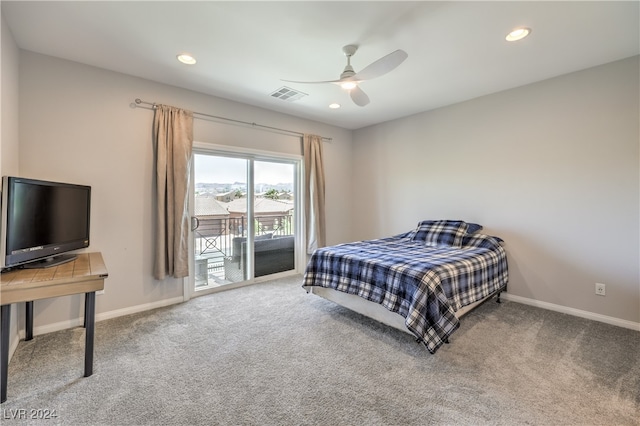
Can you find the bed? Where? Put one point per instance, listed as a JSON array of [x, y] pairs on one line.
[[421, 281]]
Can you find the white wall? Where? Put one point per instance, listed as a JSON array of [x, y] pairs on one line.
[[9, 95], [76, 125], [9, 126], [551, 167]]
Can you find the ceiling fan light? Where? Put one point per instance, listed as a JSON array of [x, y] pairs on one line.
[[348, 85], [518, 34], [334, 106]]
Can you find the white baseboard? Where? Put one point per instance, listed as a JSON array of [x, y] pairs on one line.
[[77, 322], [63, 325], [571, 311]]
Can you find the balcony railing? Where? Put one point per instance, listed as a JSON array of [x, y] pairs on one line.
[[214, 240], [214, 235]]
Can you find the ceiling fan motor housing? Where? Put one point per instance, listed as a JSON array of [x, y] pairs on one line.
[[349, 50], [348, 72]]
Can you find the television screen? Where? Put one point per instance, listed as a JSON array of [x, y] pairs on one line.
[[41, 220]]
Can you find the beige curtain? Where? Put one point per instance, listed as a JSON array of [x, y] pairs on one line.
[[173, 141], [314, 192]]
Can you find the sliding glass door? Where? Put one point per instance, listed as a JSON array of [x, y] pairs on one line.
[[244, 217], [273, 212]]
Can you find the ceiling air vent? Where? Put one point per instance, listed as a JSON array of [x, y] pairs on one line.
[[288, 94]]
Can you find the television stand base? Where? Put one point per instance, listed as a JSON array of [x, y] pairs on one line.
[[50, 261]]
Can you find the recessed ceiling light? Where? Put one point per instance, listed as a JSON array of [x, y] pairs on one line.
[[334, 106], [518, 34], [185, 58]]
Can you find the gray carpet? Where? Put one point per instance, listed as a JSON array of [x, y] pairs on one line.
[[270, 354]]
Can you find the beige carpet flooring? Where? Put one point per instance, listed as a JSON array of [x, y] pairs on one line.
[[270, 354]]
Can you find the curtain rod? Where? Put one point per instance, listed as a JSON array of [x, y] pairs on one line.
[[153, 106]]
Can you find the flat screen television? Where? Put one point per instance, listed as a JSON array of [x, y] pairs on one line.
[[41, 220]]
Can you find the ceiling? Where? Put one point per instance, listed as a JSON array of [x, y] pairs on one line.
[[457, 50]]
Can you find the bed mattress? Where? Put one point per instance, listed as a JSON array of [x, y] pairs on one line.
[[425, 285]]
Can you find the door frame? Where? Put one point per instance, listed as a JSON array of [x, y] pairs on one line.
[[298, 217]]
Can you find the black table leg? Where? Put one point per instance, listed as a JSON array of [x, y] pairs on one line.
[[29, 320], [89, 324], [5, 317]]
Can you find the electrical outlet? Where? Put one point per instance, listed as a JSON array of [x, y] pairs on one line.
[[99, 292], [600, 289]]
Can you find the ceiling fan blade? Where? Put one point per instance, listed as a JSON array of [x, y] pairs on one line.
[[312, 82], [358, 96], [382, 65]]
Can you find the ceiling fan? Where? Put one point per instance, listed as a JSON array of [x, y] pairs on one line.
[[349, 79]]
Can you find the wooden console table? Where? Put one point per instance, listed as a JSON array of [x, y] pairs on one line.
[[85, 274]]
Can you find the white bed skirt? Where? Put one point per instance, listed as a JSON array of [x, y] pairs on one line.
[[375, 310]]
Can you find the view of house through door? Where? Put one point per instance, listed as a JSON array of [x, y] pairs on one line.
[[244, 220]]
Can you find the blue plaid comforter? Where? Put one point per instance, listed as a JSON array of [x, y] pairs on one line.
[[426, 285]]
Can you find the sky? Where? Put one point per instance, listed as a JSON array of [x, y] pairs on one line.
[[212, 169]]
